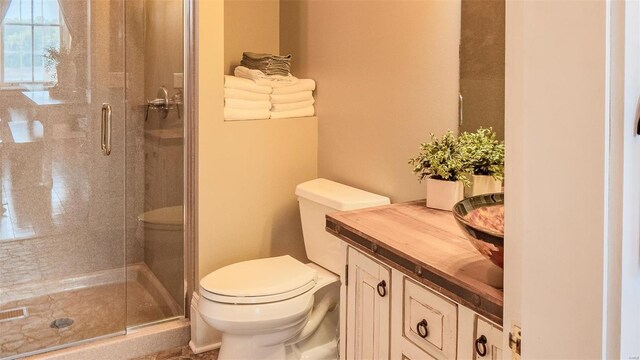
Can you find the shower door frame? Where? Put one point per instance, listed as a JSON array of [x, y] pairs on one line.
[[190, 149]]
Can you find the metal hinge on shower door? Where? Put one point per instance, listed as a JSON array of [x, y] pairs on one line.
[[515, 342]]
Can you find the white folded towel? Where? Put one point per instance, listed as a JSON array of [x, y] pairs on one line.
[[234, 82], [248, 104], [291, 98], [244, 114], [261, 79], [301, 85], [308, 111], [292, 106], [244, 95]]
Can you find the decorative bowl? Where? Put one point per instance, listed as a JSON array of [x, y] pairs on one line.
[[481, 218]]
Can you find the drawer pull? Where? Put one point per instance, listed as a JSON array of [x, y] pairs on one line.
[[382, 288], [423, 328], [481, 345]]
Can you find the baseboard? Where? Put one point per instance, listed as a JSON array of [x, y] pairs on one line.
[[203, 337], [198, 350]]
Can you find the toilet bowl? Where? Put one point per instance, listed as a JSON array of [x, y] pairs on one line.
[[261, 305], [164, 247], [280, 308]]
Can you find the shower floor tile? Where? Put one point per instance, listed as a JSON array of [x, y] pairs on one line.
[[95, 311]]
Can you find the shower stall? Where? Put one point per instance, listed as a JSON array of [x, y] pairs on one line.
[[91, 175]]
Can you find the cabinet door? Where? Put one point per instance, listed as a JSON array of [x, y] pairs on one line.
[[368, 294], [488, 341]]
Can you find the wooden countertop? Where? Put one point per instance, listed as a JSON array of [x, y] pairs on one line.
[[427, 245]]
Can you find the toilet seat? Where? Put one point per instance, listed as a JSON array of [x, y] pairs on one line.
[[259, 281]]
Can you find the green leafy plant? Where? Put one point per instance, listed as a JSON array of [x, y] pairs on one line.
[[441, 159], [54, 57], [482, 153]]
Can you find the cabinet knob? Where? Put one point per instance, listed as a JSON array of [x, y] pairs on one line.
[[382, 288], [481, 345], [423, 328]]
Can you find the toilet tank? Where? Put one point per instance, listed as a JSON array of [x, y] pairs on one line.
[[319, 197]]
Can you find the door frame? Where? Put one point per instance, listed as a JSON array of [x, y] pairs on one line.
[[605, 310]]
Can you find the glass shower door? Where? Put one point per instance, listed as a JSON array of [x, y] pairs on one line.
[[62, 133]]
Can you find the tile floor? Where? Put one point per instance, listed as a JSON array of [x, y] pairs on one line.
[[181, 353], [96, 311]]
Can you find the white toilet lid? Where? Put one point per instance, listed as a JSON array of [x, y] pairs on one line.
[[172, 215], [259, 281]]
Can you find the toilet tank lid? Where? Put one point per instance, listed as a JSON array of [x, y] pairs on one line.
[[338, 196]]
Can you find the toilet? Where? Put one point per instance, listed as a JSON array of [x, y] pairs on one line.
[[278, 307], [164, 247]]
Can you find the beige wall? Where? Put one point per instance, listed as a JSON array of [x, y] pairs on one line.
[[250, 25], [248, 170], [387, 75]]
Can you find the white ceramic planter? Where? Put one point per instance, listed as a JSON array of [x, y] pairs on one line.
[[443, 194], [482, 184]]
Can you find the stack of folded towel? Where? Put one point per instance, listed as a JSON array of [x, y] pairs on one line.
[[260, 78], [267, 63], [245, 100], [263, 77], [294, 100]]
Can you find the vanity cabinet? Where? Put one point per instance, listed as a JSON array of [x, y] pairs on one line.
[[440, 299], [368, 294], [392, 316]]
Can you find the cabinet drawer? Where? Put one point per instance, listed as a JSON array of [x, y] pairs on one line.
[[411, 352], [429, 321]]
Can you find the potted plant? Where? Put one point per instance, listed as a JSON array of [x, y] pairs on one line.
[[483, 155], [440, 162], [62, 61]]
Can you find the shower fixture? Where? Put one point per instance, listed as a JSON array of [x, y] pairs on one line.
[[162, 103]]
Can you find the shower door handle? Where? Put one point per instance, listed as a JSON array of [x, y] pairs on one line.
[[105, 135]]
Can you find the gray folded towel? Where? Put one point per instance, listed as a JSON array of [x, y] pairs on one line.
[[267, 63], [258, 57]]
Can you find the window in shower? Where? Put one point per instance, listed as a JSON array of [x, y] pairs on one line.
[[29, 29]]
